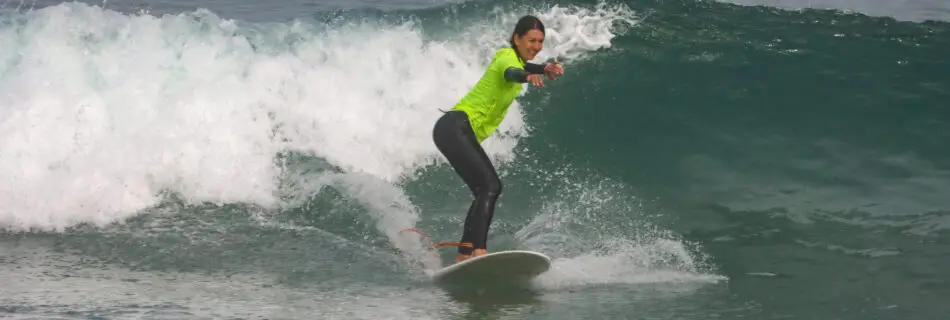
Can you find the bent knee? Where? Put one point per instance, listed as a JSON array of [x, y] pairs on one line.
[[492, 188]]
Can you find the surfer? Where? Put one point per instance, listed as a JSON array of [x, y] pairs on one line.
[[460, 131]]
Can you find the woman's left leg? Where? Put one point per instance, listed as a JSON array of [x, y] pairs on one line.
[[454, 138]]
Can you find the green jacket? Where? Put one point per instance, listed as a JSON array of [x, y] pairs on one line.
[[486, 104]]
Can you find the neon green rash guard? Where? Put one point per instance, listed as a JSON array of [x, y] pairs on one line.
[[486, 104]]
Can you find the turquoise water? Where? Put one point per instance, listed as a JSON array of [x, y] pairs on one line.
[[698, 160]]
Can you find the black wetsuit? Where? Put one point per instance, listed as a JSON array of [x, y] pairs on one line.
[[454, 137]]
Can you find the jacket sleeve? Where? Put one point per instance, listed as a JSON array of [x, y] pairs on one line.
[[534, 68], [516, 75]]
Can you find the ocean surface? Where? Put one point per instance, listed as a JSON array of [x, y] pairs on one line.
[[742, 159]]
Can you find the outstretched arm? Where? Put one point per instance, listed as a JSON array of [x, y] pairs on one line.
[[519, 75], [522, 76], [534, 68], [516, 75]]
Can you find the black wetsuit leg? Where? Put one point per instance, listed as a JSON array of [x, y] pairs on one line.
[[454, 137]]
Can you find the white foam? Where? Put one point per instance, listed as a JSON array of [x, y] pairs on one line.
[[572, 32], [656, 261], [103, 111], [597, 234]]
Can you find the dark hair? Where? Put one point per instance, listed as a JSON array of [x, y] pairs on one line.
[[525, 24]]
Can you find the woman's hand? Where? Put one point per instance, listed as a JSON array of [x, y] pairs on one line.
[[535, 80], [552, 70]]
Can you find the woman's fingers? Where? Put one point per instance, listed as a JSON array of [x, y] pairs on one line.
[[536, 80]]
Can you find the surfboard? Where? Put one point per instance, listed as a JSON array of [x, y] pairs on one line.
[[496, 267]]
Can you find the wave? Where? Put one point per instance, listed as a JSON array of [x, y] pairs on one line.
[[105, 112]]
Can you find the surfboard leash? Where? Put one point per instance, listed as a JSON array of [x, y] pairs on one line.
[[433, 246]]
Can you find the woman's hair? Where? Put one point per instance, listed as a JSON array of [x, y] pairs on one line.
[[525, 24]]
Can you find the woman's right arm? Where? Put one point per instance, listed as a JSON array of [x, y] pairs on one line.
[[521, 76], [516, 75]]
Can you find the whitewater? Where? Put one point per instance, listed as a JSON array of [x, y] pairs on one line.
[[104, 112]]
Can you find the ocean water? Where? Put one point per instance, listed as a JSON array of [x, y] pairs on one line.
[[754, 159]]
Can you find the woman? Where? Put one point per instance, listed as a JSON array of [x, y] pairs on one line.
[[459, 132]]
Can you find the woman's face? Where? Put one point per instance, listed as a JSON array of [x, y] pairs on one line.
[[530, 44]]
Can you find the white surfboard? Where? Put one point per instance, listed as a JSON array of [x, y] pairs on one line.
[[497, 267]]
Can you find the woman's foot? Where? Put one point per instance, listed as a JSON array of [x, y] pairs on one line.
[[477, 252]]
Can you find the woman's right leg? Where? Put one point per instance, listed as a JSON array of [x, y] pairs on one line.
[[453, 136]]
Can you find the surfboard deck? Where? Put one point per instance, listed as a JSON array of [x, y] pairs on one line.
[[496, 267]]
